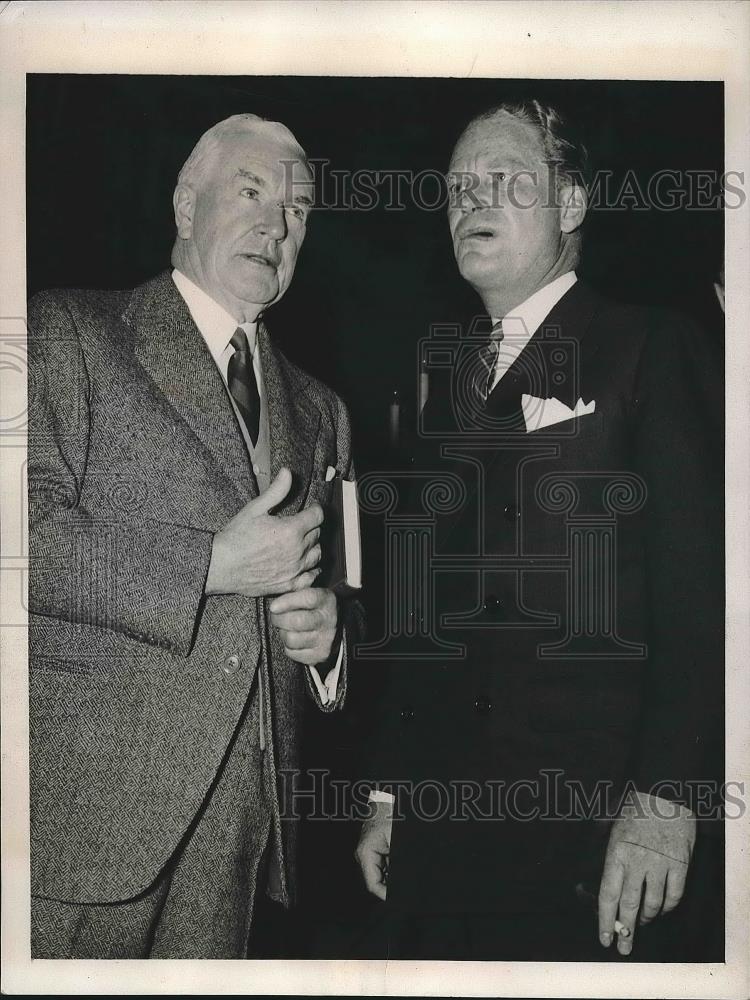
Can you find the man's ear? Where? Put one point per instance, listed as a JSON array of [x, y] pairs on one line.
[[573, 205], [183, 201]]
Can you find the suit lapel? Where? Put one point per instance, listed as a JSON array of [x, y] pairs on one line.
[[551, 362], [293, 420], [171, 350], [533, 371]]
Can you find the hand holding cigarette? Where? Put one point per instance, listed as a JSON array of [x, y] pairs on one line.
[[590, 899], [645, 868]]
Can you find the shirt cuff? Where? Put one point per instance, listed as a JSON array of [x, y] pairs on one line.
[[327, 689], [377, 796]]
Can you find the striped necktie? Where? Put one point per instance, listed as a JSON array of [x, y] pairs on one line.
[[242, 384], [488, 354]]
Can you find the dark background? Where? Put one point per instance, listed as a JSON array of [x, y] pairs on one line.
[[103, 153]]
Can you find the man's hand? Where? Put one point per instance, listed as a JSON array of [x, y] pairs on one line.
[[374, 848], [306, 620], [650, 847], [257, 553]]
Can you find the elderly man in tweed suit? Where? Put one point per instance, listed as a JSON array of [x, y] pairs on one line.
[[178, 467]]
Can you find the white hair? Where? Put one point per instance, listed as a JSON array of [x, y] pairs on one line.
[[194, 168]]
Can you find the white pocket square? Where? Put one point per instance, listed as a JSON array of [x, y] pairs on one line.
[[330, 473], [538, 413]]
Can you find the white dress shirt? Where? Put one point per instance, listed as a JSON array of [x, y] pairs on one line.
[[519, 326], [217, 327]]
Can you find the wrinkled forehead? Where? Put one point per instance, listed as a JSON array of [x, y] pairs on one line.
[[268, 145], [500, 138]]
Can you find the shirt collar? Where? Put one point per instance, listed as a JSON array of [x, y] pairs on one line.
[[522, 322], [215, 324]]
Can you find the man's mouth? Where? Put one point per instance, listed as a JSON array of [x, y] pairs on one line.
[[478, 233], [260, 258]]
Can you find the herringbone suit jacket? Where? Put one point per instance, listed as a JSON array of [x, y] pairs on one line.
[[137, 679]]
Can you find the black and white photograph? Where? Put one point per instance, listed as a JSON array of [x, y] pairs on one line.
[[374, 501]]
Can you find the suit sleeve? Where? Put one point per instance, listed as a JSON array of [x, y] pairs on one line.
[[350, 610], [143, 579], [678, 451]]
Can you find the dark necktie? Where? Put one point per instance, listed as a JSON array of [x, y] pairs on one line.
[[242, 385], [488, 354]]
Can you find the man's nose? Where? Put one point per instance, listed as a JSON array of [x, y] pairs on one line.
[[476, 200], [273, 221], [469, 207]]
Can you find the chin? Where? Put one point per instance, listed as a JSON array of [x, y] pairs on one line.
[[259, 294], [478, 270]]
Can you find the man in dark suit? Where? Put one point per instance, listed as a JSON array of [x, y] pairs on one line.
[[545, 772], [178, 464]]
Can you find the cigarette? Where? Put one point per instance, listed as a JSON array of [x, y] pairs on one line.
[[588, 897]]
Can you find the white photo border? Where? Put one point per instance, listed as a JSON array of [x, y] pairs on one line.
[[658, 40]]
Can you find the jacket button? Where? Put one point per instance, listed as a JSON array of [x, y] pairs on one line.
[[231, 665], [483, 705], [492, 605], [511, 512], [407, 713]]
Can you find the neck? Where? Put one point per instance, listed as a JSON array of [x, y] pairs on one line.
[[500, 301]]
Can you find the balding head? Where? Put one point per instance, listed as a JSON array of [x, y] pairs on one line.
[[208, 148]]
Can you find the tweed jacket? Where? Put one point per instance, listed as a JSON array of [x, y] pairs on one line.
[[137, 678]]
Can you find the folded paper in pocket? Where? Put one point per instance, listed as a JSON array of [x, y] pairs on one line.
[[539, 413]]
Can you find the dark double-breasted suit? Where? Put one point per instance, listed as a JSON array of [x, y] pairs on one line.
[[592, 631], [138, 680]]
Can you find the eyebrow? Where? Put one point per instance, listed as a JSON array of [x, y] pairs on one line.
[[250, 176], [497, 165], [303, 199], [512, 162]]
